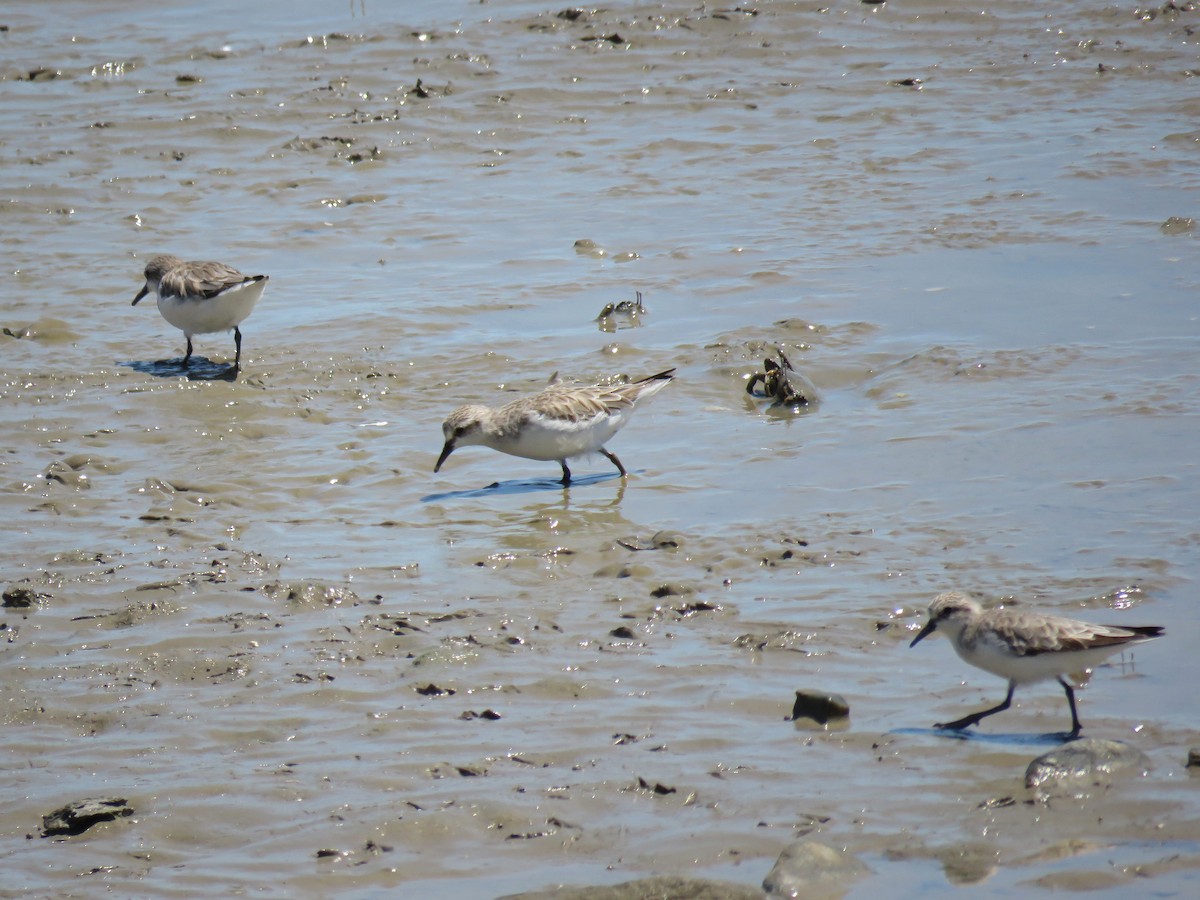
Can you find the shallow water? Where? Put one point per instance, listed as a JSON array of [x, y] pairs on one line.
[[247, 583]]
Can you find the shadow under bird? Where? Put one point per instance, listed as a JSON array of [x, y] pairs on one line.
[[202, 298], [1025, 647], [560, 422]]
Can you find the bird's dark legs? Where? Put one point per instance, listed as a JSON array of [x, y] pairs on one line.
[[612, 458], [1075, 726], [973, 718], [237, 342], [187, 356]]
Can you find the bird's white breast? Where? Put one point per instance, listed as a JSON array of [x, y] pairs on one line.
[[545, 438], [208, 314]]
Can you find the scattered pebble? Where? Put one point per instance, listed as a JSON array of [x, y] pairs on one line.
[[613, 38], [489, 714], [672, 590], [820, 707], [22, 598], [432, 690]]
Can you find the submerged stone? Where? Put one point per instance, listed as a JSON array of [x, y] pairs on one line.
[[808, 868], [1086, 762]]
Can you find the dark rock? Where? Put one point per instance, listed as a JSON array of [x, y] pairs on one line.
[[78, 817], [490, 714], [433, 690], [22, 598], [819, 707], [807, 868], [613, 38], [672, 590], [690, 609], [1193, 760], [1087, 762]]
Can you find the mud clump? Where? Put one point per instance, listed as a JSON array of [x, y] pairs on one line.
[[78, 817]]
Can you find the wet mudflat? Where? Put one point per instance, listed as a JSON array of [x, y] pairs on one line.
[[250, 611]]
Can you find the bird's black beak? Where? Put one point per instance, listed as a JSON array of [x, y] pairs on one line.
[[925, 632], [446, 451], [142, 293]]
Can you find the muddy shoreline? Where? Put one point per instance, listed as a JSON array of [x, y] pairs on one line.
[[248, 610]]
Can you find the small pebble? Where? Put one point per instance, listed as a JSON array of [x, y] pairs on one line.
[[819, 707]]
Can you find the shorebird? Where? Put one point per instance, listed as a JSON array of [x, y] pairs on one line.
[[1025, 647], [558, 423], [202, 297]]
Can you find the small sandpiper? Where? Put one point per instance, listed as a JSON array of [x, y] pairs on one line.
[[1025, 647], [202, 297], [561, 422]]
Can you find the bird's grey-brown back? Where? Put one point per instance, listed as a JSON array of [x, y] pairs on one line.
[[1030, 633], [559, 422], [198, 280], [576, 403], [1023, 632], [171, 277]]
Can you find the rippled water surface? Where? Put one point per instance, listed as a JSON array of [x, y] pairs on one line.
[[312, 667]]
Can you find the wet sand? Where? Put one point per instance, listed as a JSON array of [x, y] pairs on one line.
[[312, 667]]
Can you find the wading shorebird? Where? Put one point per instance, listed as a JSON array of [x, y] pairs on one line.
[[202, 298], [560, 422], [1025, 647]]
